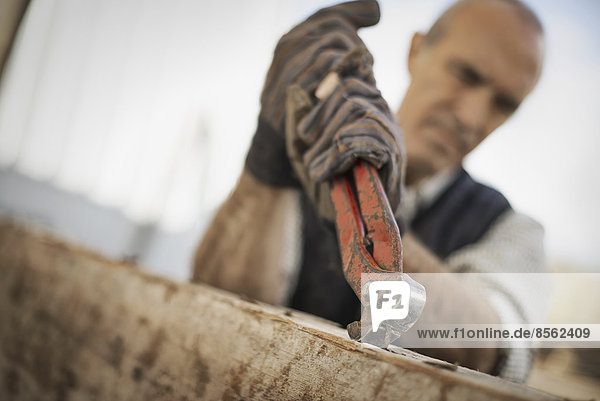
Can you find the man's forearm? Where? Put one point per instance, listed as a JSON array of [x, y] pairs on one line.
[[418, 258], [467, 303], [249, 247], [466, 306]]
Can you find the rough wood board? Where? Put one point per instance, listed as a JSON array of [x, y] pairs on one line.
[[75, 326]]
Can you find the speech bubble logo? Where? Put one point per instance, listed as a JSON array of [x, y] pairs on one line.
[[389, 300]]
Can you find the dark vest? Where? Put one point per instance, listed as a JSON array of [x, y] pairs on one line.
[[458, 217]]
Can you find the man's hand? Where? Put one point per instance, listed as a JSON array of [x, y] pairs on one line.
[[349, 121], [303, 56]]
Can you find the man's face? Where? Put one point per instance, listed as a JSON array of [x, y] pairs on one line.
[[465, 84]]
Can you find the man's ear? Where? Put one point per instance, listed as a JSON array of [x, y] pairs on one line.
[[416, 45]]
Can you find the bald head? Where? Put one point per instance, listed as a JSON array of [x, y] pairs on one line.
[[519, 8]]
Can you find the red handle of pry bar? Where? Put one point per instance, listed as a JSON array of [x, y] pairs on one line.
[[373, 212]]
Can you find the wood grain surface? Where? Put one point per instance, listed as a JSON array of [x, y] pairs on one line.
[[76, 326]]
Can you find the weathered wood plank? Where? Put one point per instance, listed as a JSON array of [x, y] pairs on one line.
[[76, 326]]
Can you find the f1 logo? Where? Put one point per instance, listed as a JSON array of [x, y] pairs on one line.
[[381, 299], [389, 300]]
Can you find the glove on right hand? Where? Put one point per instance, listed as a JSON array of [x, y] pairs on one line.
[[352, 122], [303, 56]]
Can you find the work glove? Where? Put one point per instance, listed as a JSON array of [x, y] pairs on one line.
[[348, 121], [303, 56]]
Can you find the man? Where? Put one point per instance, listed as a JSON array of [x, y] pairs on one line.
[[469, 73]]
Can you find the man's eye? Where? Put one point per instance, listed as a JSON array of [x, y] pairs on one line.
[[465, 73], [468, 76], [506, 105]]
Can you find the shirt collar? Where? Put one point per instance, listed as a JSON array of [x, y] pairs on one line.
[[422, 195]]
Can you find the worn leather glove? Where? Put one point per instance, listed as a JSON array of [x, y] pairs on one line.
[[348, 121], [303, 56]]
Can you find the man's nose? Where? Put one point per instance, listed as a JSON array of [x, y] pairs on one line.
[[473, 109]]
